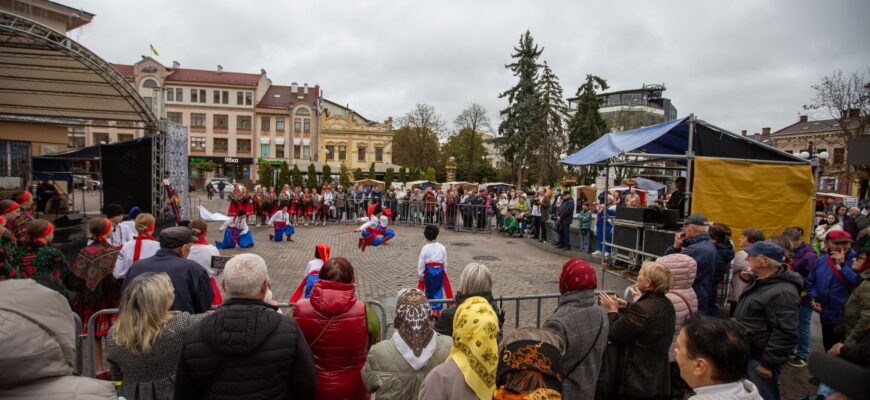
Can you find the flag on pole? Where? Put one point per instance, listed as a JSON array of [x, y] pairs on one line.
[[153, 50]]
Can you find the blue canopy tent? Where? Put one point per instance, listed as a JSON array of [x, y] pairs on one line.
[[679, 143]]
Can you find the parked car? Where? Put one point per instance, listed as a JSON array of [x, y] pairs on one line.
[[80, 180], [229, 182]]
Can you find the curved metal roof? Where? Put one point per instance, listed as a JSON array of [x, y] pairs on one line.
[[47, 77]]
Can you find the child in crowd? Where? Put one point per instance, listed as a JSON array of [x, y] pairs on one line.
[[236, 232], [312, 272], [281, 221], [431, 269], [511, 225]]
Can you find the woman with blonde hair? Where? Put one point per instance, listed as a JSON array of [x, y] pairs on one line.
[[643, 331], [143, 246], [144, 345]]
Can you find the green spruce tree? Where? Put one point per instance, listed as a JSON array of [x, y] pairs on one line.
[[344, 177], [520, 120], [403, 175], [388, 177], [297, 176], [311, 179], [430, 175], [264, 174], [357, 174], [587, 125], [285, 176], [327, 174], [415, 174], [550, 141], [372, 171]]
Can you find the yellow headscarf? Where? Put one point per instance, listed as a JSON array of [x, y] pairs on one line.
[[475, 345]]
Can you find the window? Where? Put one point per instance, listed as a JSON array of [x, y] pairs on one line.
[[225, 97], [243, 122], [306, 152], [179, 94], [149, 101], [307, 128], [221, 145], [297, 151], [342, 152], [170, 95], [149, 83], [361, 153], [174, 117], [264, 150], [197, 120], [248, 98], [264, 124], [76, 138], [101, 138], [303, 111], [330, 152], [839, 155], [194, 97], [279, 124], [239, 98], [221, 121], [123, 137], [297, 125], [202, 96], [197, 143], [379, 154], [279, 151], [243, 145], [217, 97]]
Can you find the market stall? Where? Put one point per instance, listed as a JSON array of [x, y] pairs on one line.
[[730, 179]]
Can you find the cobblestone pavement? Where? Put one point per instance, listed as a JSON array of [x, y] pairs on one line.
[[519, 267]]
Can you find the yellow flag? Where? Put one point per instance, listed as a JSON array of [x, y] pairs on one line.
[[153, 50]]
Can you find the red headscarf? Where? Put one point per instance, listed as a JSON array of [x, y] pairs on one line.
[[48, 230], [106, 230], [323, 251], [11, 208], [577, 275], [137, 250]]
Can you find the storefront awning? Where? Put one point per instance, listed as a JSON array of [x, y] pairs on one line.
[[46, 77]]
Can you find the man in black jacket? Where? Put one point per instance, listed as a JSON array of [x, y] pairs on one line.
[[193, 292], [768, 311], [564, 218], [245, 349]]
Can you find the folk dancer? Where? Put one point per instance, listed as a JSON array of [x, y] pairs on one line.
[[281, 222], [202, 252], [312, 272], [236, 232], [143, 246], [431, 269]]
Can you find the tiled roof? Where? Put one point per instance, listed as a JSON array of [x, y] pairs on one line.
[[198, 76], [281, 97], [201, 76], [825, 125]]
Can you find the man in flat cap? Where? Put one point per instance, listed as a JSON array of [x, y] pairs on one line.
[[193, 292]]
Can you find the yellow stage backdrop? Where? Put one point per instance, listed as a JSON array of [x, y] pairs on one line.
[[743, 194]]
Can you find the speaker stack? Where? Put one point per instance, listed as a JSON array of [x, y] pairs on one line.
[[643, 233]]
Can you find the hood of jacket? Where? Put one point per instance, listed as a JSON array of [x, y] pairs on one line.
[[683, 270], [783, 275], [725, 251], [330, 297], [37, 333], [239, 326]]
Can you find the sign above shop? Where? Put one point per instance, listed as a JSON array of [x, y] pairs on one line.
[[231, 160]]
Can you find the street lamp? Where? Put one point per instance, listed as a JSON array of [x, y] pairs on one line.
[[818, 158]]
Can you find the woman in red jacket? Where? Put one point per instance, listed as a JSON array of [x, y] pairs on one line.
[[340, 329]]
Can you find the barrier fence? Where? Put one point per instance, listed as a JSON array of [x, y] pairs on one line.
[[90, 338]]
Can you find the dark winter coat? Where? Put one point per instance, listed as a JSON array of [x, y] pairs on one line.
[[857, 351], [825, 287], [245, 350], [768, 311], [724, 256], [193, 290], [444, 325], [856, 317], [703, 251], [803, 260], [644, 331], [565, 212]]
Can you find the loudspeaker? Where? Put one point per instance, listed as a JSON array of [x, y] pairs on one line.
[[68, 220], [627, 236], [657, 241]]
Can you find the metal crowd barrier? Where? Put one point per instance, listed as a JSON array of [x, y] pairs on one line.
[[458, 217], [91, 336], [500, 300]]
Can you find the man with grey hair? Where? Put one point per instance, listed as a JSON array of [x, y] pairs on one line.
[[768, 311], [476, 280], [246, 350], [694, 242]]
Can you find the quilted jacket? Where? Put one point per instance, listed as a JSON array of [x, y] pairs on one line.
[[683, 269], [387, 375]]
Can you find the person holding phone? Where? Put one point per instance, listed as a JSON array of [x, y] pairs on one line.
[[694, 241], [829, 284]]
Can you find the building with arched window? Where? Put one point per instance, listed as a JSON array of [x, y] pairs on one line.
[[349, 138]]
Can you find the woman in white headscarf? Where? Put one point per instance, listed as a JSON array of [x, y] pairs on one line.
[[395, 367]]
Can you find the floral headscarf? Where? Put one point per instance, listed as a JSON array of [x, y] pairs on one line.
[[475, 347], [529, 370], [414, 336]]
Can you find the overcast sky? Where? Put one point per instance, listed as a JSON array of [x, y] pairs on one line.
[[737, 64]]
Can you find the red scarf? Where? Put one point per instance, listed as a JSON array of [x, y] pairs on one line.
[[201, 239], [137, 251]]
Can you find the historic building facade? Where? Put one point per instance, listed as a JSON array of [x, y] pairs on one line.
[[346, 137]]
